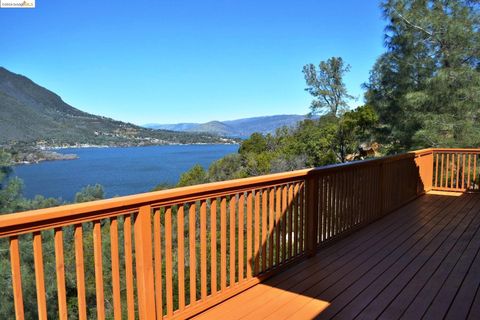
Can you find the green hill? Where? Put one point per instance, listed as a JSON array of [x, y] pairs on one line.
[[30, 113]]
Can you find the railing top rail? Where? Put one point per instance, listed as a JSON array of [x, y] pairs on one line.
[[95, 210], [457, 150]]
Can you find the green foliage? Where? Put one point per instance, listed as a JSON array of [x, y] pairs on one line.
[[163, 186], [196, 175], [426, 87], [353, 128], [90, 193], [228, 167], [314, 142], [327, 86]]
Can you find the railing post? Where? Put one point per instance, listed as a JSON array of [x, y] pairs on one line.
[[311, 215], [144, 263], [425, 171]]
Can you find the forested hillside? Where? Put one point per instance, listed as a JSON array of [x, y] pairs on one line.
[[31, 113]]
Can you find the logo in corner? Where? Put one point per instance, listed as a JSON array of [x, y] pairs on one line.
[[24, 4]]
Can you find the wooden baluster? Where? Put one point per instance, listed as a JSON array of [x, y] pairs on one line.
[[144, 264], [441, 171], [290, 221], [302, 218], [127, 238], [278, 199], [233, 213], [469, 179], [169, 261], [241, 243], [157, 249], [436, 170], [458, 171], [264, 229], [203, 249], [452, 169], [256, 233], [213, 246], [181, 255], [117, 307], [60, 270], [16, 277], [295, 217], [192, 212], [284, 219], [311, 214], [97, 253], [475, 180], [39, 275], [271, 226], [463, 172], [80, 271], [223, 243], [249, 235]]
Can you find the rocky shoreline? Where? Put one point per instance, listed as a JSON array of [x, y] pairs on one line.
[[36, 156]]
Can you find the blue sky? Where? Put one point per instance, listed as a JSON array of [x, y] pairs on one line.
[[188, 61]]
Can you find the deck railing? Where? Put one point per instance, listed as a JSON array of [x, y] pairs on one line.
[[456, 169], [175, 253]]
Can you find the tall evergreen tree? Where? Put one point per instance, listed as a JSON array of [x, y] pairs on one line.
[[426, 87]]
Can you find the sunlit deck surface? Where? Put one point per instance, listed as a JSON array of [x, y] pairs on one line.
[[421, 261]]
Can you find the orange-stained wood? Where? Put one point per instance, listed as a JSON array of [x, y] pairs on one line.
[[264, 229], [271, 226], [39, 275], [223, 243], [295, 219], [60, 270], [213, 246], [80, 271], [192, 212], [233, 214], [98, 257], [181, 256], [284, 222], [16, 277], [290, 232], [117, 307], [278, 216], [256, 233], [249, 235], [203, 250], [241, 244], [127, 242], [168, 261], [144, 264], [157, 249], [302, 218]]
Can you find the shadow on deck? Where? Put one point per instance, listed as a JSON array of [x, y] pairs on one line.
[[421, 261]]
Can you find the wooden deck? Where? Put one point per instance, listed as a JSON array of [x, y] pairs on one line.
[[422, 261]]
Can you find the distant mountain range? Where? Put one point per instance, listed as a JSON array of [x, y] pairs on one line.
[[235, 128], [32, 114]]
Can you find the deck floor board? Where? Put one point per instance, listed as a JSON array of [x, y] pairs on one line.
[[421, 260]]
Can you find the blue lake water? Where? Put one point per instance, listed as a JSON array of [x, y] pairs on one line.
[[121, 171]]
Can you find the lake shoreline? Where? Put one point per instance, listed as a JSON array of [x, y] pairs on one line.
[[42, 154], [121, 170]]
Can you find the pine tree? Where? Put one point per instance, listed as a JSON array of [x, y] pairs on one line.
[[426, 87]]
